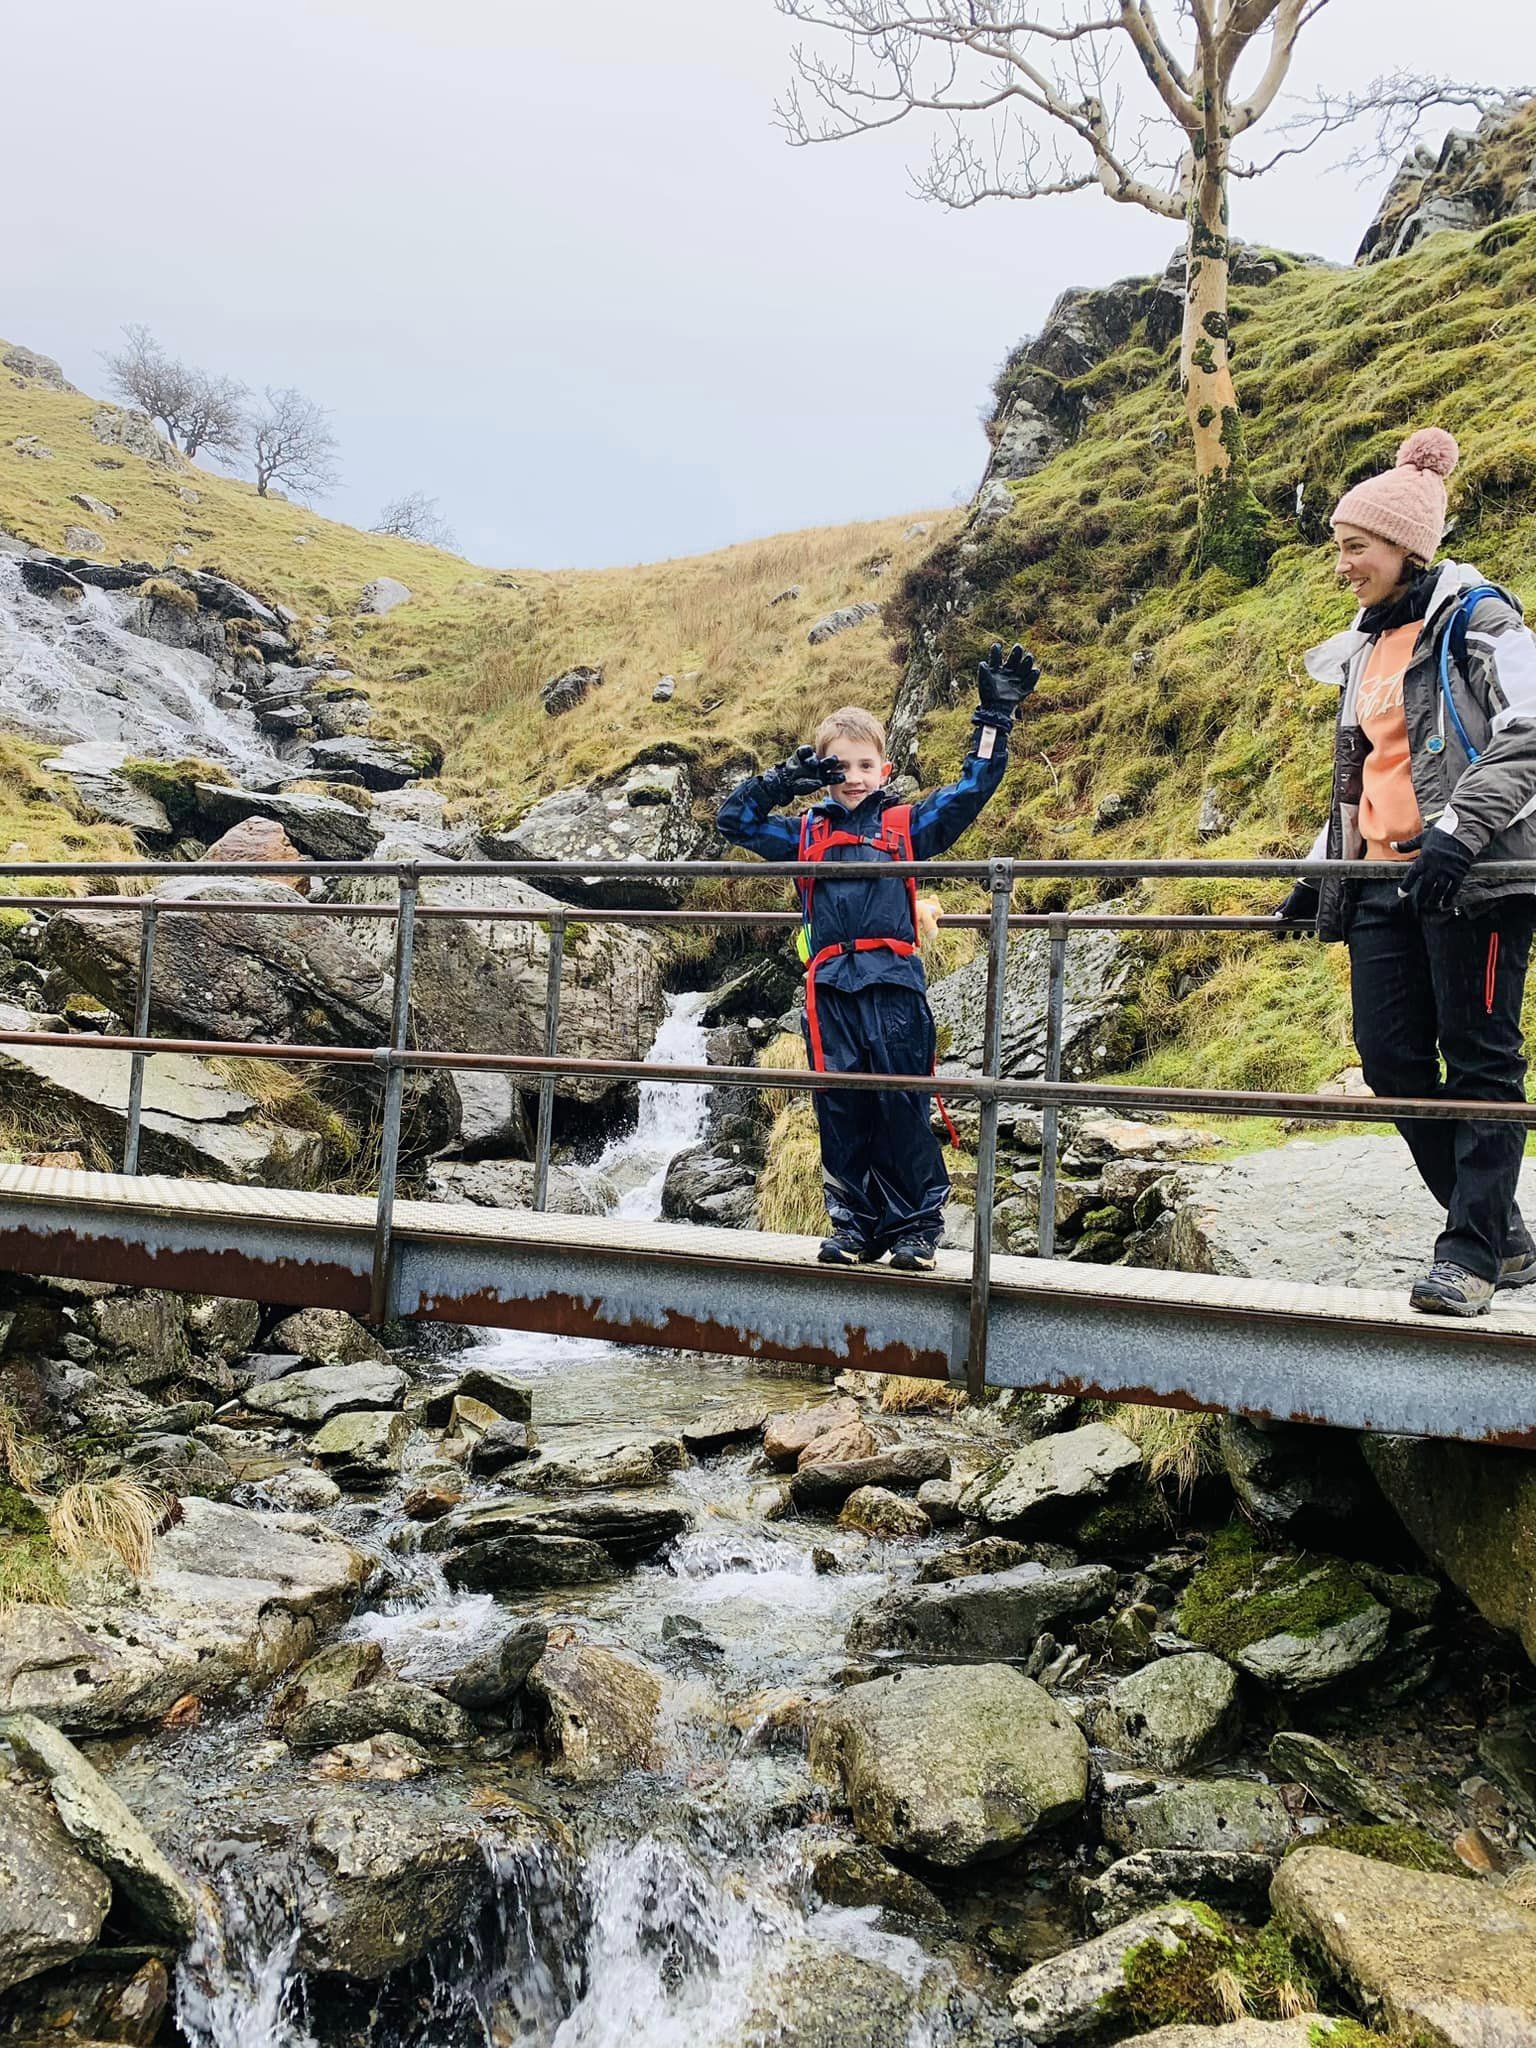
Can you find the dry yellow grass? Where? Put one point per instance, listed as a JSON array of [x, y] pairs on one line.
[[18, 1455], [902, 1396], [1177, 1444], [119, 1516]]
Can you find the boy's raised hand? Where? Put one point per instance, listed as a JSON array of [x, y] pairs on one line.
[[1003, 685], [802, 775]]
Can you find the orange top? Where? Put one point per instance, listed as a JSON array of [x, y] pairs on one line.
[[1389, 806]]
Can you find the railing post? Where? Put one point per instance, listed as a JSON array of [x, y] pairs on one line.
[[382, 1302], [1001, 885], [1050, 1121], [147, 920], [547, 1083]]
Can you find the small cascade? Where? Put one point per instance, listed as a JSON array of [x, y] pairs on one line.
[[671, 1114], [77, 673]]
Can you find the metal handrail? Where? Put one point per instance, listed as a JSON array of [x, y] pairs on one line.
[[989, 1089]]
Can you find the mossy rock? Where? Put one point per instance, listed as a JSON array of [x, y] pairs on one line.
[[161, 590], [20, 1515], [1400, 1843], [1244, 1594], [173, 784], [1191, 1985]]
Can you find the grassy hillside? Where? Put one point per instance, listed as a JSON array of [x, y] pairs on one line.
[[463, 662], [1162, 683]]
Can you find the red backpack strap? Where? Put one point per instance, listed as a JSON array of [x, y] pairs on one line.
[[896, 840]]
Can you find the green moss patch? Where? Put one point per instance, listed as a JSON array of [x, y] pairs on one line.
[[1244, 1594], [1409, 1847], [1213, 1976], [171, 784]]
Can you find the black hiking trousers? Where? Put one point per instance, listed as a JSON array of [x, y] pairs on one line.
[[1449, 987]]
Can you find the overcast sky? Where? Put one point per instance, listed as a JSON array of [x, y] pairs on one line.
[[555, 265]]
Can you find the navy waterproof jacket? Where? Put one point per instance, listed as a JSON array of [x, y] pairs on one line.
[[870, 908]]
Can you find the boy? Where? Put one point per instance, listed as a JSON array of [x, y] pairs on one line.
[[866, 1003]]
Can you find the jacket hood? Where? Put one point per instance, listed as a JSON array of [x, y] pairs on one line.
[[1329, 662]]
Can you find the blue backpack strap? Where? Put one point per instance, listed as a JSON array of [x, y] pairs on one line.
[[1453, 643]]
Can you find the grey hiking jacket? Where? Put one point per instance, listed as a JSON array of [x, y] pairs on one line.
[[1488, 804]]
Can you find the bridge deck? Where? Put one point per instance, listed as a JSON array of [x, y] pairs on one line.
[[1325, 1354]]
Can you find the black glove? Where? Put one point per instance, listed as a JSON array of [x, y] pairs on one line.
[[1302, 904], [1441, 868], [801, 775], [1003, 685]]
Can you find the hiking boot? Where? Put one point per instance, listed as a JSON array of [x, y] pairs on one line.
[[914, 1255], [1518, 1270], [844, 1248], [1447, 1290]]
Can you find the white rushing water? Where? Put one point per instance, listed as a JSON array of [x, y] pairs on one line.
[[77, 672]]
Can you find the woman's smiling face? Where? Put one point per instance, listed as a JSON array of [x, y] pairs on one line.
[[1372, 567]]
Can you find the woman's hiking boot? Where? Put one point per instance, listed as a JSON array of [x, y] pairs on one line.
[[845, 1248], [1518, 1270], [1447, 1290], [914, 1255]]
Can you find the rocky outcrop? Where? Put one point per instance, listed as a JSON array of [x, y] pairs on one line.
[[321, 827], [646, 814], [1471, 181], [1099, 965], [842, 621], [26, 366], [571, 687], [52, 1900]]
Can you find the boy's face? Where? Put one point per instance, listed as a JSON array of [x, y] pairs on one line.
[[865, 769]]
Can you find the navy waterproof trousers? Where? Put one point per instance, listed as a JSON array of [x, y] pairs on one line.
[[882, 1168]]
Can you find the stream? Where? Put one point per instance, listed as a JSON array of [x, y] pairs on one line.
[[676, 1894]]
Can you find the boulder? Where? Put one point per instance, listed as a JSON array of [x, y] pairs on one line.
[[326, 1336], [484, 984], [1225, 1879], [381, 1760], [990, 1619], [492, 1120], [375, 763], [1332, 1780], [192, 1123], [649, 1462], [501, 1445], [1098, 969], [313, 1396], [385, 1706], [853, 1874], [565, 691], [599, 1710], [180, 1465], [1310, 2030], [1063, 1999], [1442, 1954], [1473, 1512], [335, 1671], [849, 1444], [787, 1435], [630, 1531], [382, 595], [143, 1881], [505, 1397], [116, 428], [1299, 1622], [841, 621], [646, 814], [955, 1766], [1052, 1481], [493, 1674], [508, 1184], [876, 1511], [825, 1479], [90, 767], [321, 827], [257, 839], [52, 1901], [527, 1561], [1173, 1715], [230, 1594], [1293, 1481], [723, 1429], [704, 1186], [810, 1996], [939, 1500], [362, 1449], [1234, 1814], [986, 1554]]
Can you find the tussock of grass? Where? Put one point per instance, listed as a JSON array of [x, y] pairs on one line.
[[789, 1187], [902, 1396], [41, 821], [1176, 1444], [18, 1452], [118, 1515]]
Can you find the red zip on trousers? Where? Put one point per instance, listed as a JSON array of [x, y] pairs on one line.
[[1490, 979]]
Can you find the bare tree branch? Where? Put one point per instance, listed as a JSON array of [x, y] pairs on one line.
[[1391, 108], [414, 516], [197, 409], [291, 443]]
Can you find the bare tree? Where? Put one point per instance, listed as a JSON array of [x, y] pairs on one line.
[[197, 409], [415, 517], [1046, 76], [291, 443]]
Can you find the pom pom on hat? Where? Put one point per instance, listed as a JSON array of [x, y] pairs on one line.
[[1431, 448]]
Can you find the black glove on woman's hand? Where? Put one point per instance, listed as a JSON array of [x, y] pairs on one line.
[[802, 775], [1302, 905], [1003, 685], [1432, 882]]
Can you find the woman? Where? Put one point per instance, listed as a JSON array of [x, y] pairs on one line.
[[1434, 768]]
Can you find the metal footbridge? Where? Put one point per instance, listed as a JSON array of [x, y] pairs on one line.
[[1338, 1356]]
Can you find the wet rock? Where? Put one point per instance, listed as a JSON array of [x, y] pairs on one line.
[[526, 1561], [1295, 1665], [300, 1490], [939, 1500], [1173, 1715], [821, 1485], [818, 1997], [230, 1594], [787, 1435], [1053, 1481], [52, 1901], [375, 763], [143, 1881], [956, 1766], [853, 1874], [723, 1428], [876, 1511], [987, 1554], [1229, 1881], [1234, 1814], [1299, 1622], [90, 768], [331, 1674], [646, 1463], [381, 1760], [599, 1710], [104, 1997], [321, 827], [631, 1531], [1331, 1779], [1439, 1953], [314, 1396], [704, 1186], [849, 1444], [507, 1398], [841, 621], [981, 1620], [508, 1184], [494, 1674], [327, 1336], [432, 1499], [384, 1706], [503, 1444], [361, 1449], [1063, 1999], [1294, 1481]]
